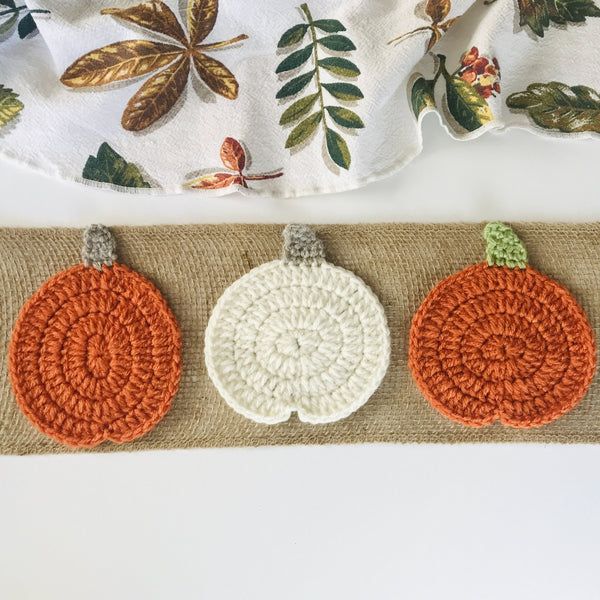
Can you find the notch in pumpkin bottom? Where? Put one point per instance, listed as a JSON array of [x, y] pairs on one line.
[[500, 341], [95, 354]]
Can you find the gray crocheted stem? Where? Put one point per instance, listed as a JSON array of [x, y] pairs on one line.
[[99, 247], [302, 246]]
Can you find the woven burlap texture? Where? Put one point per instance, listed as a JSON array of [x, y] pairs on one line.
[[192, 266]]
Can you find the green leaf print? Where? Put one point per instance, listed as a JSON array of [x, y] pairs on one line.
[[421, 95], [470, 110], [304, 130], [344, 91], [345, 117], [298, 109], [292, 87], [10, 105], [10, 13], [338, 149], [293, 35], [110, 167], [340, 66], [538, 14], [294, 60], [323, 77], [337, 43], [329, 25], [468, 88], [555, 105]]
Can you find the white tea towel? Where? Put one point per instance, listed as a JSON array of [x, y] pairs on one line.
[[281, 98]]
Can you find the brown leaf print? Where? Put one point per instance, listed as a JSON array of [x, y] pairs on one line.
[[155, 16], [202, 16], [156, 97], [216, 75], [437, 11], [120, 61], [233, 157], [133, 58], [215, 181]]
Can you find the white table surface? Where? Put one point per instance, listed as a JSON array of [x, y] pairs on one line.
[[372, 522]]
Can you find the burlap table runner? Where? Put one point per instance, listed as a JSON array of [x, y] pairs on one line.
[[192, 265]]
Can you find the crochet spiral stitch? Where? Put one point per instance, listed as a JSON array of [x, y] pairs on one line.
[[95, 353], [500, 343], [297, 335]]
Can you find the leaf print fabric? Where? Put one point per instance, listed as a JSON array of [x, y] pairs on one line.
[[210, 97], [235, 159], [133, 58], [322, 33], [437, 12], [558, 106], [10, 105], [538, 15], [110, 167], [476, 79], [19, 17]]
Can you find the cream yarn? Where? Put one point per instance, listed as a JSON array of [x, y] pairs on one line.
[[297, 335]]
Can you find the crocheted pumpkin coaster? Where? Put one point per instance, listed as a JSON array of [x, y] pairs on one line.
[[297, 334], [95, 353], [500, 341]]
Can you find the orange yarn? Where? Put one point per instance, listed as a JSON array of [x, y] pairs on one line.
[[95, 355], [495, 343]]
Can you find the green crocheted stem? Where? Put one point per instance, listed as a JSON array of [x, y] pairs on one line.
[[504, 248]]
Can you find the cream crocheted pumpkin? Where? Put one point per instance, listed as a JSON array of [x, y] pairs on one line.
[[297, 335]]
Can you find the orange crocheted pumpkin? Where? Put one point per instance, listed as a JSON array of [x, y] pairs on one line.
[[95, 353], [500, 341]]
